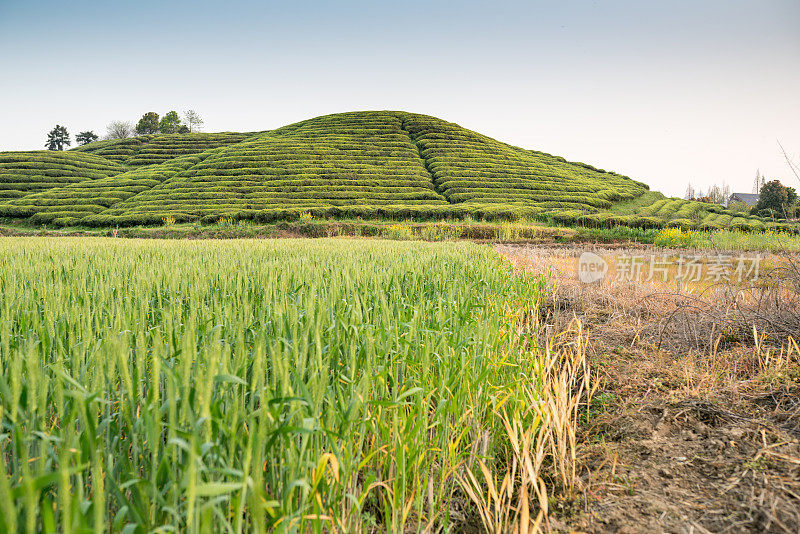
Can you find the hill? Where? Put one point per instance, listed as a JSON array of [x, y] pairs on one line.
[[359, 164], [24, 173]]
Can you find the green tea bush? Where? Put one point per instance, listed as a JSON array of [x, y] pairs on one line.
[[684, 224], [646, 222], [709, 226]]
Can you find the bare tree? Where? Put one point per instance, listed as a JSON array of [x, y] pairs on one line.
[[119, 130], [715, 194], [757, 182], [193, 120], [794, 167]]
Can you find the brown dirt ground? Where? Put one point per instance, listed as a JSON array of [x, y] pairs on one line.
[[696, 423]]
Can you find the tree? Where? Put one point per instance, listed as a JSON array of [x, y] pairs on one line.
[[715, 194], [757, 182], [791, 202], [791, 195], [773, 200], [119, 130], [193, 120], [84, 138], [148, 124], [183, 129], [58, 138], [170, 123]]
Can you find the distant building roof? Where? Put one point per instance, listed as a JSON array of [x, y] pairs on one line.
[[751, 199]]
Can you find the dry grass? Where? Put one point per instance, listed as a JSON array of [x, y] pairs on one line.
[[696, 421], [542, 442]]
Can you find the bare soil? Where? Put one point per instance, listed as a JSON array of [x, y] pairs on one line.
[[696, 425]]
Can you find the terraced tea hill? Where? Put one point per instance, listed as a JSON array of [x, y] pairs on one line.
[[154, 149], [65, 206], [469, 167], [675, 212], [356, 162], [23, 173], [375, 164]]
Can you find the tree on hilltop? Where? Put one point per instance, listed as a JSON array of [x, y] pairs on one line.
[[58, 138], [84, 138], [193, 120], [170, 123], [148, 124], [119, 130]]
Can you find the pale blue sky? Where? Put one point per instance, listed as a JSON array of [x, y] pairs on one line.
[[666, 92]]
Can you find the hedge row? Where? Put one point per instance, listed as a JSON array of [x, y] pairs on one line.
[[425, 212]]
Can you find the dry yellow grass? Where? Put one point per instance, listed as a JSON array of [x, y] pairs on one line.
[[696, 420]]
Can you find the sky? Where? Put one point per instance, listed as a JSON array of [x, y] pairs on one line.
[[665, 92]]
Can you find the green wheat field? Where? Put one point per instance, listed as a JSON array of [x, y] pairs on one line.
[[252, 386]]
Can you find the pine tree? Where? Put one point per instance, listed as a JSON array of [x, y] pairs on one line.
[[58, 138], [84, 138]]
